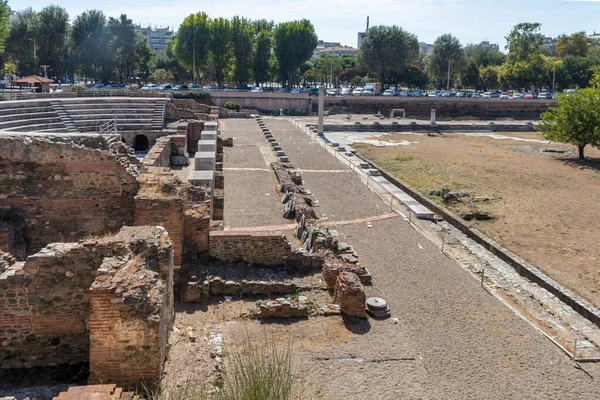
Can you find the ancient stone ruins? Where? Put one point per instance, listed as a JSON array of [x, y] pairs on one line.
[[100, 250]]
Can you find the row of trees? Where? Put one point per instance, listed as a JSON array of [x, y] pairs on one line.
[[245, 52], [93, 45], [391, 55]]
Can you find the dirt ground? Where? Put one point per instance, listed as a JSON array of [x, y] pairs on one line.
[[544, 201]]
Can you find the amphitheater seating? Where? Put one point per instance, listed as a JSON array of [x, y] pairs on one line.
[[81, 114]]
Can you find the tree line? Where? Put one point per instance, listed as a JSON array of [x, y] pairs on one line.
[[245, 52]]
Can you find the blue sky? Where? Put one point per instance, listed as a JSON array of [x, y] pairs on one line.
[[339, 20]]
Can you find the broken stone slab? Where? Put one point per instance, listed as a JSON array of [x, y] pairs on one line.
[[276, 148], [280, 153], [364, 165], [271, 139], [334, 144], [284, 159], [374, 172], [341, 148], [274, 144]]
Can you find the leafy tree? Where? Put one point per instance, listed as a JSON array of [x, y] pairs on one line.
[[447, 52], [524, 42], [52, 38], [89, 36], [122, 44], [350, 73], [21, 43], [242, 36], [142, 57], [162, 75], [220, 47], [387, 51], [416, 76], [348, 60], [576, 44], [483, 55], [575, 120], [470, 75], [488, 77], [194, 35], [4, 23], [295, 42], [261, 68]]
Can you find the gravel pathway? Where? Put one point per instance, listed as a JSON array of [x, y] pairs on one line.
[[465, 344]]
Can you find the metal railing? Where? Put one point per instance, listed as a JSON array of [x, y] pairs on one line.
[[109, 127]]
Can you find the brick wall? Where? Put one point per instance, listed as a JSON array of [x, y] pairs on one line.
[[194, 132], [63, 191], [45, 302], [165, 212], [350, 295], [195, 234], [160, 154], [257, 248]]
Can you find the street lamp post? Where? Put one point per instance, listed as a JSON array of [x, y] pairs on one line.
[[45, 70], [448, 83], [194, 66]]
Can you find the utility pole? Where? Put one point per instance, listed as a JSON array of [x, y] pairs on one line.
[[553, 76], [331, 74], [194, 66], [448, 85]]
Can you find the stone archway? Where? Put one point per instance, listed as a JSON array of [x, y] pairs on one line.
[[141, 143]]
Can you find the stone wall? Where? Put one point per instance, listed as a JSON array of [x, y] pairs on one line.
[[350, 295], [166, 212], [45, 316], [263, 101], [195, 233], [420, 107], [65, 191], [194, 132], [159, 155], [256, 248]]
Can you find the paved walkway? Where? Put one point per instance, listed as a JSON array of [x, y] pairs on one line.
[[465, 343]]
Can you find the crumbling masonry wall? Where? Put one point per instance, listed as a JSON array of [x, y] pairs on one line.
[[47, 315], [65, 191], [256, 248]]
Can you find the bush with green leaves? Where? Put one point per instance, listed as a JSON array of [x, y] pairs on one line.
[[230, 105]]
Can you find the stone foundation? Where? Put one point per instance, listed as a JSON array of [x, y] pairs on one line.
[[350, 295]]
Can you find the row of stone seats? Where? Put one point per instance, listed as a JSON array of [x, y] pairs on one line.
[[81, 114], [30, 115], [130, 113]]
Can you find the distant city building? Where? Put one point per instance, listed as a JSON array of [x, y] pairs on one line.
[[12, 15], [425, 48], [550, 44], [361, 37], [157, 37], [323, 45], [491, 46], [595, 36], [337, 51]]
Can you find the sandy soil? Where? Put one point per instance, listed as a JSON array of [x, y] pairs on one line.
[[545, 203]]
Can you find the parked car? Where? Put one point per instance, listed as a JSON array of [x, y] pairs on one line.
[[368, 92], [570, 91], [403, 94], [282, 90], [180, 87], [432, 94], [257, 90], [461, 94], [446, 94], [476, 95], [415, 93], [334, 92], [165, 87], [99, 86], [517, 96], [150, 86], [527, 96], [296, 90], [357, 92], [391, 92], [195, 87], [504, 95], [346, 91], [495, 95], [545, 95]]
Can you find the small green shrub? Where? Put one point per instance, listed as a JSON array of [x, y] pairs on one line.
[[230, 105]]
